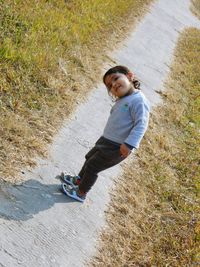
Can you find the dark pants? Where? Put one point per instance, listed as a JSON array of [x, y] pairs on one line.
[[101, 157]]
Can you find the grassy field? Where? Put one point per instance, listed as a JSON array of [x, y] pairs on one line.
[[154, 215], [195, 7], [51, 54]]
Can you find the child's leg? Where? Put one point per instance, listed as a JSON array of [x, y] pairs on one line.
[[75, 180], [95, 164], [87, 156]]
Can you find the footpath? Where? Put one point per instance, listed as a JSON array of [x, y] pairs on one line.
[[40, 226]]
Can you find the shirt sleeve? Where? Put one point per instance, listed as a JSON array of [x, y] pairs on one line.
[[129, 146], [140, 114]]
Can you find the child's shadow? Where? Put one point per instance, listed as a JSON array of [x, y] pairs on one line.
[[21, 202]]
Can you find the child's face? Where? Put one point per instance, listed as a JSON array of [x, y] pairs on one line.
[[118, 83]]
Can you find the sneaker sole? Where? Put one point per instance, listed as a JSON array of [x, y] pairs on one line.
[[64, 185]]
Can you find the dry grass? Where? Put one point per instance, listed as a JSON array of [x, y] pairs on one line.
[[195, 7], [51, 53], [154, 215]]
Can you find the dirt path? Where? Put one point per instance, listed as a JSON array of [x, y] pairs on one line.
[[39, 226]]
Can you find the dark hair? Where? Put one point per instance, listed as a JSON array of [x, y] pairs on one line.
[[124, 70]]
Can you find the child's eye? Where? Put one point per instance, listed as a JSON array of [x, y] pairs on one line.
[[110, 85]]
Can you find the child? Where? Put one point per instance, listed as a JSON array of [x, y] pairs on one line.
[[125, 128]]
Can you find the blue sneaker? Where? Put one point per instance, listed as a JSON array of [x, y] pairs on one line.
[[72, 192], [69, 179]]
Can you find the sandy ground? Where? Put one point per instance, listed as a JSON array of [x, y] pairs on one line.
[[39, 226]]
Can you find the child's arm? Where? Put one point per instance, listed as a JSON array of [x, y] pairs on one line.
[[140, 114]]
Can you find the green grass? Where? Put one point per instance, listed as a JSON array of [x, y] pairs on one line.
[[34, 37], [154, 215], [51, 53]]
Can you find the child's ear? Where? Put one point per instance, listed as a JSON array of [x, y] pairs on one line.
[[130, 75]]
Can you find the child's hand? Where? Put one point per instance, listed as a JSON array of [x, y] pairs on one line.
[[125, 151]]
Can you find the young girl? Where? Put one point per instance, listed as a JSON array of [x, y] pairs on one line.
[[125, 128]]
